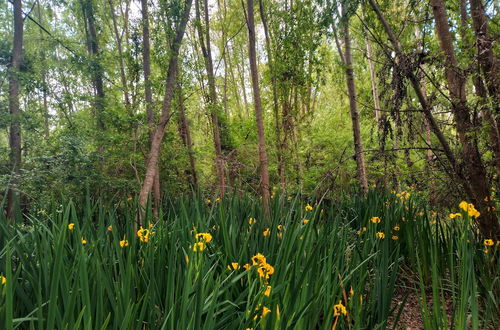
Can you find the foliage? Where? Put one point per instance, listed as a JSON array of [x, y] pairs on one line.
[[320, 255]]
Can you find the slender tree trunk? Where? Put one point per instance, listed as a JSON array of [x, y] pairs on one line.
[[43, 72], [279, 145], [151, 168], [96, 69], [473, 163], [118, 37], [353, 107], [185, 134], [264, 174], [15, 111], [212, 92], [148, 96], [376, 100]]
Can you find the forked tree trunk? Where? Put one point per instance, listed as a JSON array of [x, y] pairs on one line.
[[148, 97], [151, 168], [264, 174], [212, 92], [14, 110]]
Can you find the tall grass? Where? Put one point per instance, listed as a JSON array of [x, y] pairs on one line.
[[320, 257]]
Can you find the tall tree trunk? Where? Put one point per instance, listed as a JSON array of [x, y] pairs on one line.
[[96, 67], [376, 100], [473, 164], [43, 73], [264, 174], [353, 107], [185, 134], [212, 92], [14, 110], [488, 63], [119, 44], [151, 168], [148, 96], [279, 144]]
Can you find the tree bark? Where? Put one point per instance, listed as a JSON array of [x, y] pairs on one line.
[[96, 67], [488, 63], [376, 100], [185, 134], [353, 107], [212, 92], [473, 164], [279, 144], [148, 97], [118, 37], [151, 168], [264, 174], [15, 111]]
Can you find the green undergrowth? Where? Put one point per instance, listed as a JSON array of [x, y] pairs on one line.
[[330, 265]]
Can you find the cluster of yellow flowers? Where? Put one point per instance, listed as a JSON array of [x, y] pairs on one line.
[[375, 220], [308, 207], [201, 241], [265, 311], [123, 242], [404, 195], [470, 209], [339, 309], [488, 242], [251, 221], [380, 235], [263, 268], [143, 234], [266, 232]]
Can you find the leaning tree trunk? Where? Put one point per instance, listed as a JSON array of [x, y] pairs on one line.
[[151, 168], [14, 110], [473, 164], [264, 174], [148, 97]]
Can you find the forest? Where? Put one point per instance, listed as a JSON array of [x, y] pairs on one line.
[[249, 164]]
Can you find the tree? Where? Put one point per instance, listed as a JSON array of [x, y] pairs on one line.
[[148, 98], [96, 69], [151, 168], [14, 110], [264, 174], [346, 57], [473, 164]]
